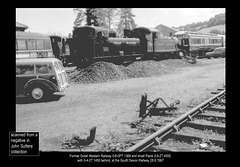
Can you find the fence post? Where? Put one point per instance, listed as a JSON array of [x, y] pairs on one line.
[[143, 105]]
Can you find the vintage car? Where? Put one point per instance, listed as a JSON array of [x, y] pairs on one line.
[[217, 52], [38, 78]]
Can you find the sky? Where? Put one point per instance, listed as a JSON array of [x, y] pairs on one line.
[[60, 20]]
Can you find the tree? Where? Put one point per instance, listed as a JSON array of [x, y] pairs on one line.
[[100, 14], [104, 16], [216, 20], [126, 20], [91, 17], [109, 14], [80, 16], [215, 31], [95, 16]]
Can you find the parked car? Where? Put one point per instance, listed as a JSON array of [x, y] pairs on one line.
[[40, 77], [217, 52]]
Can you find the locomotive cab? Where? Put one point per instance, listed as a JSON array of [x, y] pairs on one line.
[[87, 43], [183, 40], [153, 45]]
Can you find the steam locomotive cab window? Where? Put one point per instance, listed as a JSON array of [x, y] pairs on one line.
[[155, 35], [185, 42], [99, 36]]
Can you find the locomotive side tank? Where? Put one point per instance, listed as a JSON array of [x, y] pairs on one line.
[[125, 49]]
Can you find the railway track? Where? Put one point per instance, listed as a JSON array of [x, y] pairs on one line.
[[200, 129]]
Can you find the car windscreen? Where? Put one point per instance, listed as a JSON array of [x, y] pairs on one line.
[[60, 65]]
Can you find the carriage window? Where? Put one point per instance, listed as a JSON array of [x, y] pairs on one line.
[[47, 44], [21, 44], [24, 69], [44, 68], [215, 41], [196, 41], [31, 44], [40, 45]]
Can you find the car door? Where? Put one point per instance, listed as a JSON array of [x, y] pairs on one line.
[[24, 73]]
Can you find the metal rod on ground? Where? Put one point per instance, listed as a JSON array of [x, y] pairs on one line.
[[150, 140]]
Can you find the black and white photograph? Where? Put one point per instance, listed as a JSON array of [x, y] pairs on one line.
[[119, 81]]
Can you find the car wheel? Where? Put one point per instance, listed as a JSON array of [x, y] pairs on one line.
[[37, 93]]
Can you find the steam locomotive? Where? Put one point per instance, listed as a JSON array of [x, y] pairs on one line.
[[91, 43]]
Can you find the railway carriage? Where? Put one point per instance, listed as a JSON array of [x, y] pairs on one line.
[[33, 45], [197, 44]]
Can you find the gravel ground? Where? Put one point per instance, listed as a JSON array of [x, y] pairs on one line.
[[110, 104]]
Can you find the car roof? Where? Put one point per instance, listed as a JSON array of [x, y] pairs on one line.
[[37, 60]]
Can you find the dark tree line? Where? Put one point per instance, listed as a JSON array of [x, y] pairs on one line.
[[218, 19], [112, 18]]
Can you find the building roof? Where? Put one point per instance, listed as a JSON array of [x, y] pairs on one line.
[[20, 25], [181, 33], [164, 30]]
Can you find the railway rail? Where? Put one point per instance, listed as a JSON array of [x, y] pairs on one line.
[[200, 129]]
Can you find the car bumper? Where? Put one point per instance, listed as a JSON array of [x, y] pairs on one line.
[[63, 87]]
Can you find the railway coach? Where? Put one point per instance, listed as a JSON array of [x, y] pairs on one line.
[[197, 44], [33, 45]]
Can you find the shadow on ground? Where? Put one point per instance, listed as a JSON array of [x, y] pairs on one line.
[[27, 100]]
